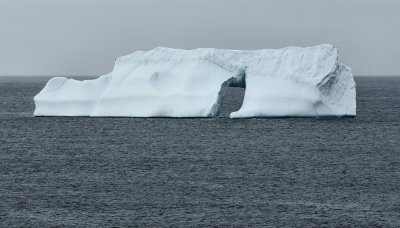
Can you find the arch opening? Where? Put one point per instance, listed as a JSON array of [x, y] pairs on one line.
[[231, 94]]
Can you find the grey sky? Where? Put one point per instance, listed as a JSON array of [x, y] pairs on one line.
[[83, 37]]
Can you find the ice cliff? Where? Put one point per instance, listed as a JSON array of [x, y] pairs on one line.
[[166, 82]]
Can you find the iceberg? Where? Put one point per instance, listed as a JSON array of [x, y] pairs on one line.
[[166, 82]]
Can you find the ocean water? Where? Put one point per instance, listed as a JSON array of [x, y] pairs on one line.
[[157, 172]]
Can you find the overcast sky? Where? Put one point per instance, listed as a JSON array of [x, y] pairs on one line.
[[83, 37]]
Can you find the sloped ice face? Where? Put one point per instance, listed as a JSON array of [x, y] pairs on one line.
[[167, 82]]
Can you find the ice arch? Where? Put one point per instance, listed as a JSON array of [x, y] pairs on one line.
[[166, 82]]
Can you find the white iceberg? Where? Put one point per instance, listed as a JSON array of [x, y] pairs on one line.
[[167, 82]]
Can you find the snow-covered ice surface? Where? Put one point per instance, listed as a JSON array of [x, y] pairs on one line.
[[166, 82]]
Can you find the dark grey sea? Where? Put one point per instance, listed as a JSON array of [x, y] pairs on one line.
[[160, 172]]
